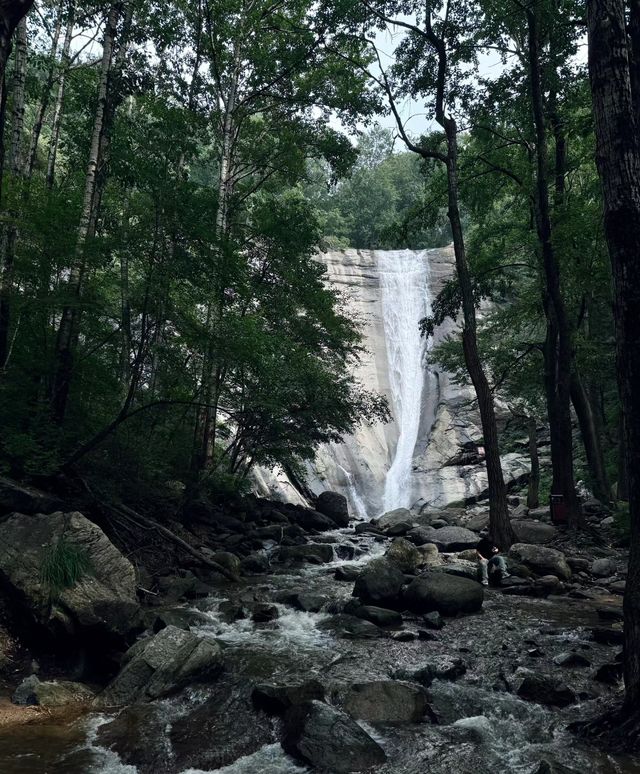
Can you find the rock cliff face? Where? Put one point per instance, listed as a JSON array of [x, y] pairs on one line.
[[415, 460]]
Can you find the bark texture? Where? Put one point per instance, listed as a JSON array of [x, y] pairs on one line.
[[613, 70]]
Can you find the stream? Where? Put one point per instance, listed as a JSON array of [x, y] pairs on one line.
[[482, 726]]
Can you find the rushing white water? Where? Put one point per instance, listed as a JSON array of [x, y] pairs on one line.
[[404, 289]]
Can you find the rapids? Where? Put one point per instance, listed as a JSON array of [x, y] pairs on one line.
[[483, 726]]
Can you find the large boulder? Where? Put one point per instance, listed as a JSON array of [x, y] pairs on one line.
[[541, 560], [380, 583], [334, 506], [447, 594], [386, 701], [51, 693], [392, 518], [545, 690], [160, 665], [404, 554], [446, 539], [452, 539], [603, 568], [63, 572], [328, 739], [536, 532], [314, 521]]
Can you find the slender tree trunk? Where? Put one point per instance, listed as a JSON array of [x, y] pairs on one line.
[[613, 69], [499, 524], [15, 165], [205, 433], [68, 328], [533, 499], [558, 349], [590, 437], [46, 95], [622, 488], [11, 13], [59, 104]]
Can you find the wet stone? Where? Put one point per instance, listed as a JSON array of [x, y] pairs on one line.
[[571, 659], [386, 701], [329, 739]]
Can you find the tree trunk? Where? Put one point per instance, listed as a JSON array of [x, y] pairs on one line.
[[590, 438], [68, 328], [558, 350], [58, 109], [205, 433], [533, 499], [15, 165], [499, 524], [618, 161], [46, 95]]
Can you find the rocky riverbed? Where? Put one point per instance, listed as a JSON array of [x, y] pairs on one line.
[[421, 670]]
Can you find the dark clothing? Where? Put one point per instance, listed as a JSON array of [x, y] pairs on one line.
[[485, 548]]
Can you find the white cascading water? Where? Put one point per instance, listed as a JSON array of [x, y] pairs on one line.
[[404, 289]]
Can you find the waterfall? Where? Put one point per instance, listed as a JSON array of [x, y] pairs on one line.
[[356, 502], [405, 299]]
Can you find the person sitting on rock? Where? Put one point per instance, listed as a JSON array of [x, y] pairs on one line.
[[490, 560]]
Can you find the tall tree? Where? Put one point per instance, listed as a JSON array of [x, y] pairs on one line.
[[432, 60], [614, 64]]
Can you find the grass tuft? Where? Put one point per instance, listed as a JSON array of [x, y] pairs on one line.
[[64, 564]]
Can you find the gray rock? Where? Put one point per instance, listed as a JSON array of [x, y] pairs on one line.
[[461, 569], [396, 530], [276, 699], [160, 665], [608, 522], [542, 560], [313, 553], [541, 514], [571, 659], [51, 693], [380, 583], [386, 701], [334, 506], [329, 739], [478, 522], [102, 602], [603, 568], [380, 616], [421, 535], [446, 539], [535, 532], [346, 573], [429, 553], [433, 620], [311, 520], [229, 561], [405, 555], [542, 689], [391, 518], [437, 668], [446, 594], [180, 617], [349, 627]]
